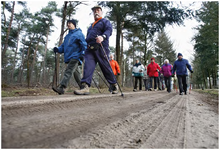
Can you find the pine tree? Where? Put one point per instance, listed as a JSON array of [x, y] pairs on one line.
[[164, 49]]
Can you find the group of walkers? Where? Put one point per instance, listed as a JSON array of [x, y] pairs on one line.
[[95, 49], [90, 51], [154, 73]]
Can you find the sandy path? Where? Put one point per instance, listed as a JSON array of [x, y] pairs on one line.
[[139, 120]]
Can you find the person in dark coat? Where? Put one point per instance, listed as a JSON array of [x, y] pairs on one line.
[[98, 34], [180, 66], [73, 47]]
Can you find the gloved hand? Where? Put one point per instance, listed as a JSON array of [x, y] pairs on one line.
[[191, 71], [81, 58], [55, 49], [118, 74], [172, 75]]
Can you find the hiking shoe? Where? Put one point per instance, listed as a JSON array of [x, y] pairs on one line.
[[134, 90], [83, 91], [114, 89], [59, 90]]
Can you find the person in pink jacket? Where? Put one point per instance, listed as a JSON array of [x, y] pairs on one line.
[[166, 70], [152, 70]]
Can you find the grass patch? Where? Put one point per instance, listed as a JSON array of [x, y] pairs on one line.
[[212, 92], [7, 94], [15, 92]]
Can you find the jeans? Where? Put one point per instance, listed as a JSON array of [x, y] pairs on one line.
[[71, 68], [182, 83], [140, 82], [167, 83]]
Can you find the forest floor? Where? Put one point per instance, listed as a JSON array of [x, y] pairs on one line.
[[144, 119]]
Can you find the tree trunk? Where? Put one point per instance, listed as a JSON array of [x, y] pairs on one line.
[[204, 80], [40, 73], [45, 55], [33, 62], [21, 69], [28, 68], [210, 83], [28, 63], [8, 33], [118, 33], [133, 50], [61, 37], [145, 48], [133, 59], [119, 78], [13, 69]]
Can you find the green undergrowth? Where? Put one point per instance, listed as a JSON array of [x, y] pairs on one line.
[[16, 91], [212, 92]]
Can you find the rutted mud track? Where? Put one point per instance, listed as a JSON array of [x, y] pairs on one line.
[[139, 120]]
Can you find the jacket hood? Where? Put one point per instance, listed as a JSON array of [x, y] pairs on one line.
[[152, 62]]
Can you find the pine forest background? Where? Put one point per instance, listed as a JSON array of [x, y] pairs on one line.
[[141, 23]]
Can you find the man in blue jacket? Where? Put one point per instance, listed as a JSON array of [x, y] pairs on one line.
[[98, 33], [73, 47], [180, 66]]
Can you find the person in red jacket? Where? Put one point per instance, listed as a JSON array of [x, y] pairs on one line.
[[152, 71], [114, 65]]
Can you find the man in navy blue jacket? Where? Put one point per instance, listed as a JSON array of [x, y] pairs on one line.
[[97, 34], [180, 66], [73, 47]]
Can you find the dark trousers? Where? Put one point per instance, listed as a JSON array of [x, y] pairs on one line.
[[155, 82], [140, 82], [167, 83], [159, 81], [146, 82], [182, 83], [92, 57], [72, 68]]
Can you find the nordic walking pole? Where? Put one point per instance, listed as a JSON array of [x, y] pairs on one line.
[[94, 83], [111, 69], [102, 78]]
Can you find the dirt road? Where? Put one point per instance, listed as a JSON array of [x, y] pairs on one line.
[[139, 120]]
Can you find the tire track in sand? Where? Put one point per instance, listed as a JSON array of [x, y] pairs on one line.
[[160, 126]]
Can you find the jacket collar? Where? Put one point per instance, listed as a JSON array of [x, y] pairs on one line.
[[71, 31]]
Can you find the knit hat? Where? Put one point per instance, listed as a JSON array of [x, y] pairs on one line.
[[72, 21], [179, 54], [152, 58]]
